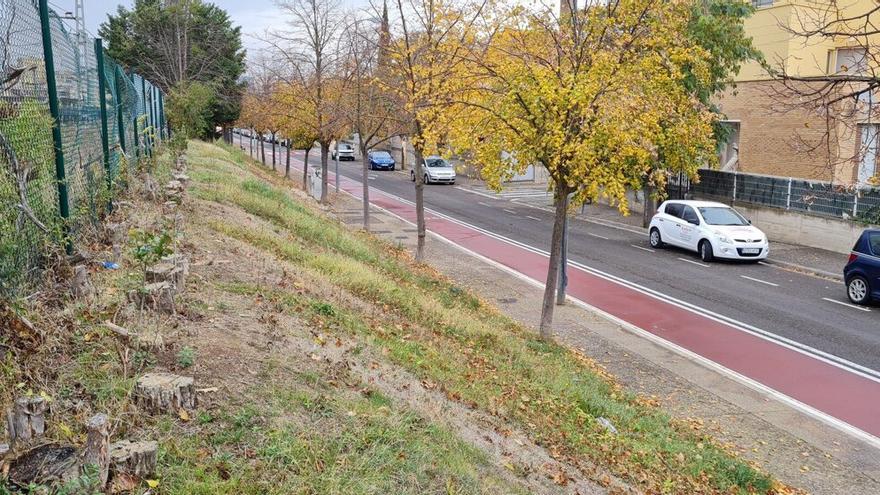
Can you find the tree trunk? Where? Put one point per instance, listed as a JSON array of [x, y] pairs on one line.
[[365, 179], [273, 150], [287, 165], [420, 205], [649, 207], [262, 149], [325, 153], [553, 269], [306, 170]]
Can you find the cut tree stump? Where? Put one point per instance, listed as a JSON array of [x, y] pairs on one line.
[[4, 464], [45, 465], [165, 392], [136, 459], [180, 177], [172, 269], [27, 419], [158, 296], [97, 450], [80, 286]]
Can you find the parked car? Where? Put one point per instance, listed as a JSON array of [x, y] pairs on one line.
[[862, 272], [435, 169], [346, 152], [380, 160], [714, 230]]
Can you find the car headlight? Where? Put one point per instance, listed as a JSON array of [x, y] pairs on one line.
[[723, 238]]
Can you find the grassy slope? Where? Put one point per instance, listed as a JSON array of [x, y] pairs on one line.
[[478, 356]]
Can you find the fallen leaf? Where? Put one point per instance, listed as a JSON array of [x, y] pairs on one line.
[[184, 416], [152, 483]]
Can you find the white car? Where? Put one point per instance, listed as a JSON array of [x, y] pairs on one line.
[[346, 152], [436, 170], [714, 230]]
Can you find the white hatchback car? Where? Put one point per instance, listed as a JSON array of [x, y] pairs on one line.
[[714, 230]]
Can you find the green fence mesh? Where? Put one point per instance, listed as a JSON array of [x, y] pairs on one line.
[[30, 210]]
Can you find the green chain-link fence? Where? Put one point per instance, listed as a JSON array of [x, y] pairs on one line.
[[70, 117]]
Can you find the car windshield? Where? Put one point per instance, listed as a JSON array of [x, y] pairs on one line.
[[345, 147], [722, 215], [436, 163], [382, 154]]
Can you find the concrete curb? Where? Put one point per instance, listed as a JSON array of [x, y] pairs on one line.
[[801, 268]]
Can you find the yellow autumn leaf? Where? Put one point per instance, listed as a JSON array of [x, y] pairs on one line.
[[152, 483], [183, 414]]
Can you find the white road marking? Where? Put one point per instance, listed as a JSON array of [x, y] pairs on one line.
[[484, 204], [510, 211], [848, 305], [643, 248], [760, 281], [478, 193], [695, 262], [597, 235], [533, 218]]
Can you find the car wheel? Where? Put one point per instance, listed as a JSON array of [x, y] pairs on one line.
[[654, 238], [858, 291], [426, 179], [412, 176], [706, 251]]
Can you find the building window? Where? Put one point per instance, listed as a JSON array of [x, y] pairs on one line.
[[762, 3], [850, 61], [728, 150], [868, 151]]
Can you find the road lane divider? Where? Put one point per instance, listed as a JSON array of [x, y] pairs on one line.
[[759, 281], [848, 305]]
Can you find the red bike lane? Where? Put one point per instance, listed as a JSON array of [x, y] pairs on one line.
[[849, 397]]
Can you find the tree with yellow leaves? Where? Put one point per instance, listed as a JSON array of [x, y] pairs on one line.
[[591, 94], [426, 72]]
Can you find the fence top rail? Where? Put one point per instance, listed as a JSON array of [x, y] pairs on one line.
[[812, 182]]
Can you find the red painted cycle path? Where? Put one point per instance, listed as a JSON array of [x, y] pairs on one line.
[[846, 396]]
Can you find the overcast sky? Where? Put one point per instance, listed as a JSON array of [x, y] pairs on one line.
[[254, 16]]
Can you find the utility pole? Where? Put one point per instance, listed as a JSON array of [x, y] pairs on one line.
[[336, 156]]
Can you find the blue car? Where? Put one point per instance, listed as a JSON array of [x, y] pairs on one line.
[[380, 160], [862, 273]]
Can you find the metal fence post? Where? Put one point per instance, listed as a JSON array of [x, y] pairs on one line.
[[137, 140], [102, 105], [55, 112], [147, 149], [120, 123], [734, 185], [162, 122], [788, 196], [856, 203]]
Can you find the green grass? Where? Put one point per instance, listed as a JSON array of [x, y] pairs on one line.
[[446, 335], [312, 439]]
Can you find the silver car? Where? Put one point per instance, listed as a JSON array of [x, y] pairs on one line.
[[436, 170]]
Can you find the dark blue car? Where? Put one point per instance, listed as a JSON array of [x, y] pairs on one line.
[[380, 160], [862, 273]]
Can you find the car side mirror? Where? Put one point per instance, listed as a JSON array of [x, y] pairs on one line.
[[694, 221], [750, 221]]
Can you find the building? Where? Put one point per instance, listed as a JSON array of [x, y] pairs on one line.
[[776, 128]]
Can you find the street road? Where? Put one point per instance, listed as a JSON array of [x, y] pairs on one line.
[[798, 311]]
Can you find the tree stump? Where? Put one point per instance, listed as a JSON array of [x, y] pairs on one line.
[[27, 419], [97, 450], [136, 459], [172, 269], [180, 177], [45, 465], [79, 284], [4, 464], [158, 296], [165, 392]]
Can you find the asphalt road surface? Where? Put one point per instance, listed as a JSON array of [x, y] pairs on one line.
[[800, 310]]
